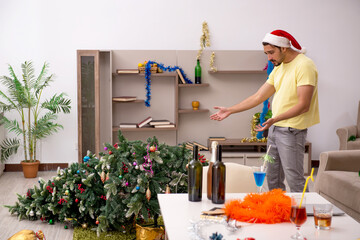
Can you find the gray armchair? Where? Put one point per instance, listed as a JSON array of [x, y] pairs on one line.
[[345, 133], [338, 180]]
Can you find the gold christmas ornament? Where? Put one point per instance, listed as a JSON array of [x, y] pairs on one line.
[[84, 225], [27, 235], [145, 233], [148, 194], [167, 190], [103, 176]]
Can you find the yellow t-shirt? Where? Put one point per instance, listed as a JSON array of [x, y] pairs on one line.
[[286, 78]]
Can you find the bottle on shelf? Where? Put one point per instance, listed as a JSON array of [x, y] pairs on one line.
[[218, 179], [195, 177], [214, 145], [198, 72]]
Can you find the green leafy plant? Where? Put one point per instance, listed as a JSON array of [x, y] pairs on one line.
[[37, 117]]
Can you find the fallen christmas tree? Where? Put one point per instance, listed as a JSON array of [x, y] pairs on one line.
[[110, 193]]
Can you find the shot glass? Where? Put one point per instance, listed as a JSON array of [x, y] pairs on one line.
[[323, 215]]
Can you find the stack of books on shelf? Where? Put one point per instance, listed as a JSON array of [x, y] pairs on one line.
[[217, 138], [145, 122], [161, 124], [124, 98], [128, 125], [190, 146], [181, 77], [123, 71]]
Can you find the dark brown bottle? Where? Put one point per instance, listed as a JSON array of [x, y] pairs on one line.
[[195, 177], [218, 179], [209, 173]]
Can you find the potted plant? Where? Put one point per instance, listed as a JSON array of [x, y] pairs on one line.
[[36, 116]]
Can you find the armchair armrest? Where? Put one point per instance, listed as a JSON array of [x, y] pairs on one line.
[[344, 133], [347, 160]]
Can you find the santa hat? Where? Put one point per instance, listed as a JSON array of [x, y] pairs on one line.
[[281, 38]]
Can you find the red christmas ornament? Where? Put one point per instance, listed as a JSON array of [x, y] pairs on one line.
[[110, 152], [152, 148], [76, 200], [97, 222]]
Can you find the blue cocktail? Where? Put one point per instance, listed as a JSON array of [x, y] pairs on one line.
[[259, 176]]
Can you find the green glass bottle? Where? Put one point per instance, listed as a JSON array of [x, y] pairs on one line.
[[198, 72], [218, 179], [195, 177]]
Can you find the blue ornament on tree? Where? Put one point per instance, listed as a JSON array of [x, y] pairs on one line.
[[137, 187], [78, 171], [86, 158]]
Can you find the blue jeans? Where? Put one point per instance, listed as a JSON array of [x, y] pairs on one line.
[[287, 149]]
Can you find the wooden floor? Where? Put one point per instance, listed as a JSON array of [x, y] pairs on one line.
[[12, 183]]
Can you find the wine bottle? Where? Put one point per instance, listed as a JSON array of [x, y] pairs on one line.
[[218, 179], [195, 177], [198, 72], [209, 173]]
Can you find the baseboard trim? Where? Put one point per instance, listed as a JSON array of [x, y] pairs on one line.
[[42, 167]]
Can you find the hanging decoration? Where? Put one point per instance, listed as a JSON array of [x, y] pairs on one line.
[[266, 104], [147, 162], [204, 39], [212, 61], [162, 68], [148, 194]]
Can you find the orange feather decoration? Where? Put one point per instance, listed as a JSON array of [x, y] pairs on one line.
[[269, 207]]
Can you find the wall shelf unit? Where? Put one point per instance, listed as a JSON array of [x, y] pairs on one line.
[[237, 71], [193, 111], [193, 85], [115, 129], [135, 101], [170, 99]]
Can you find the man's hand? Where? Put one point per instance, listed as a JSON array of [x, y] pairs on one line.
[[266, 125], [221, 114]]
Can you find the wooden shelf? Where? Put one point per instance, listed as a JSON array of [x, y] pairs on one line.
[[135, 101], [115, 129], [193, 85], [237, 71], [164, 74], [193, 111]]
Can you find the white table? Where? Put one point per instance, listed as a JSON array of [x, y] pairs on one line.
[[177, 212]]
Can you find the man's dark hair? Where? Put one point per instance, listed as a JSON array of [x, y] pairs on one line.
[[266, 43]]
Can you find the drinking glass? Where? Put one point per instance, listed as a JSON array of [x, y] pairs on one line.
[[298, 215], [259, 176], [322, 215]]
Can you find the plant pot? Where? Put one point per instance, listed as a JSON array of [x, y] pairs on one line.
[[30, 169]]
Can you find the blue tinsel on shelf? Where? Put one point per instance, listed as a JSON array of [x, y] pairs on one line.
[[162, 67]]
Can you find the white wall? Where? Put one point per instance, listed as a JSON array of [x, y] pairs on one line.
[[52, 31]]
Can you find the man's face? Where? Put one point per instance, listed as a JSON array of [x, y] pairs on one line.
[[274, 54]]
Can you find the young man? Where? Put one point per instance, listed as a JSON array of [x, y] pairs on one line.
[[293, 82]]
